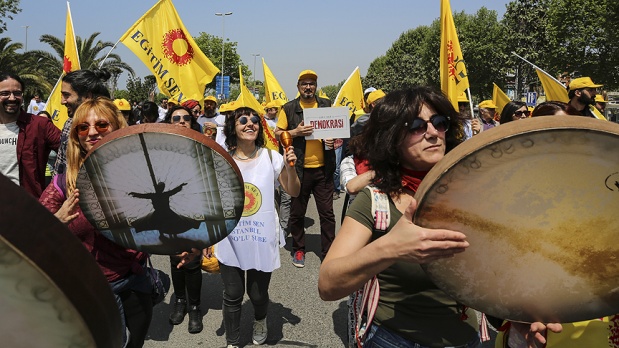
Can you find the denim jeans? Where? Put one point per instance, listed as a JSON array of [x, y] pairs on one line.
[[134, 292], [379, 337]]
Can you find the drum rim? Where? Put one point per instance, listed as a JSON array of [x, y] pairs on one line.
[[62, 264]]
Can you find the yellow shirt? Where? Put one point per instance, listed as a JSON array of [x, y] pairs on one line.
[[314, 153]]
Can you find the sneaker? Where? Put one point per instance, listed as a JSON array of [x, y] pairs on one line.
[[231, 346], [336, 195], [299, 259], [195, 320], [260, 331], [178, 311]]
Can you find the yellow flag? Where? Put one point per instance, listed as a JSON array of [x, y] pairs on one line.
[[164, 45], [454, 78], [71, 62], [272, 89], [499, 98], [553, 89], [247, 99], [351, 93]]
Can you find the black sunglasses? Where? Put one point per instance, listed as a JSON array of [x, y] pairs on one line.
[[253, 119], [420, 126], [177, 118], [519, 113]]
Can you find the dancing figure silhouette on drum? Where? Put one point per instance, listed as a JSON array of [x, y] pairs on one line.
[[163, 218]]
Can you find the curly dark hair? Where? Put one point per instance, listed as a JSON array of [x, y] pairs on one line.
[[193, 123], [386, 129], [230, 132]]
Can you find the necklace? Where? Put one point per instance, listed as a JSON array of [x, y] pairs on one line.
[[253, 154]]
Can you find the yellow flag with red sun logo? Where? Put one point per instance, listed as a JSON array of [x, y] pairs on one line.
[[164, 45], [454, 78], [71, 62]]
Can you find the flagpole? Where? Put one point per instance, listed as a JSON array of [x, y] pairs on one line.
[[108, 54], [55, 86], [538, 68], [468, 92]]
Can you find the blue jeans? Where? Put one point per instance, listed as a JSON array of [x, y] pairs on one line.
[[379, 337], [336, 175]]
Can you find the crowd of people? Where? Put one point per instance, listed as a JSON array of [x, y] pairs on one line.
[[395, 140]]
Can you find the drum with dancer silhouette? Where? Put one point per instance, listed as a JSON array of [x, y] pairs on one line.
[[161, 189]]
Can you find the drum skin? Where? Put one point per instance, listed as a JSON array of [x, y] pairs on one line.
[[537, 200], [161, 189], [52, 292]]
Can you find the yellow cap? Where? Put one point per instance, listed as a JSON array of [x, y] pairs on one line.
[[375, 96], [122, 104], [487, 104], [462, 98], [600, 99], [583, 82], [211, 98], [307, 74], [272, 104]]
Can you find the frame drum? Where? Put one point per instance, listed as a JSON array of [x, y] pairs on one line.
[[52, 293], [161, 189], [537, 199]]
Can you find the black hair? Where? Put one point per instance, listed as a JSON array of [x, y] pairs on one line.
[[168, 117], [150, 112], [88, 83], [230, 131], [7, 75], [509, 109]]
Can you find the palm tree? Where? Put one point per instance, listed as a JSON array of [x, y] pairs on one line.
[[91, 55], [28, 67]]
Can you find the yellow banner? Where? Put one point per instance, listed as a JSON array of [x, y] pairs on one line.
[[351, 93], [247, 99], [553, 89], [164, 45], [272, 89], [499, 98], [454, 78], [71, 62]]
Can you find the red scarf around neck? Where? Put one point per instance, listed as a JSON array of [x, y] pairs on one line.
[[412, 178]]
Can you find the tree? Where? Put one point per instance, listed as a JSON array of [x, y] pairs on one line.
[[7, 9], [26, 66], [91, 56], [211, 47], [140, 90]]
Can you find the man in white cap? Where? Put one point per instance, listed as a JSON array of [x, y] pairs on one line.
[[582, 92], [315, 166]]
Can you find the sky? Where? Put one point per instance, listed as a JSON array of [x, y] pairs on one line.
[[330, 37]]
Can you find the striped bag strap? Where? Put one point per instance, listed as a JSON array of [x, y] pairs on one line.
[[371, 289]]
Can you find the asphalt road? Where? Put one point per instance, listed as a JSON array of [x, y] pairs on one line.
[[297, 317]]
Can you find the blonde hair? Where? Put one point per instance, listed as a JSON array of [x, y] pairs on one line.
[[102, 107]]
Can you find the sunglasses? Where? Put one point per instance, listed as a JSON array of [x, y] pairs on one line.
[[519, 113], [177, 118], [420, 127], [100, 126], [254, 119]]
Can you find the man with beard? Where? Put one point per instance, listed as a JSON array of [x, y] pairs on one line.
[[582, 92], [315, 167], [78, 86], [210, 120], [25, 139]]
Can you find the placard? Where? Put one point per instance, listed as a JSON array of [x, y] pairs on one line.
[[329, 123]]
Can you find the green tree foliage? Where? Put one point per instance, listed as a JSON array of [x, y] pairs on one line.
[[28, 67], [211, 47], [8, 8], [332, 90], [140, 90]]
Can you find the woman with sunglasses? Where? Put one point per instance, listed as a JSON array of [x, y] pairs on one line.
[[186, 280], [407, 134], [124, 268], [251, 252], [513, 111]]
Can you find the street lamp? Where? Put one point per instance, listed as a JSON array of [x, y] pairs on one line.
[[223, 36], [254, 73], [26, 26]]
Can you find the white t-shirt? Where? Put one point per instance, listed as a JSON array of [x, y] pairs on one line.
[[255, 242], [8, 151], [35, 108]]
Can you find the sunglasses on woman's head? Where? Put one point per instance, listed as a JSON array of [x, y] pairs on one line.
[[177, 118], [100, 126], [254, 119], [420, 126]]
